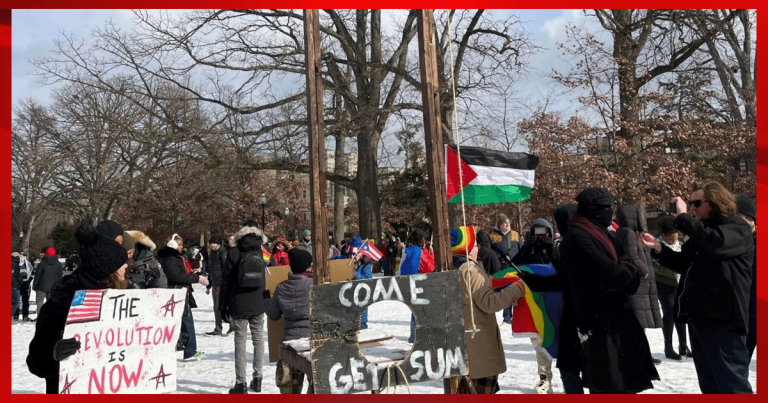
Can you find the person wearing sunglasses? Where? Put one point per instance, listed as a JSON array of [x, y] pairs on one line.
[[717, 263]]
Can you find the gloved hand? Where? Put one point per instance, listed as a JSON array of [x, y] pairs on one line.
[[266, 294], [65, 348]]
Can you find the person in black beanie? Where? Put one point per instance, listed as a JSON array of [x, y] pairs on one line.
[[291, 300], [103, 264], [111, 230], [615, 355]]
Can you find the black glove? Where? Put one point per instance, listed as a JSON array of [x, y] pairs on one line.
[[64, 348], [266, 294]]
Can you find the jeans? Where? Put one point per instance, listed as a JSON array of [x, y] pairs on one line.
[[413, 329], [216, 314], [364, 320], [188, 327], [385, 266], [15, 301], [507, 314], [571, 382], [667, 295], [256, 324], [721, 358]]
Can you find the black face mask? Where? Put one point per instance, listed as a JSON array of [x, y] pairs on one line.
[[602, 217]]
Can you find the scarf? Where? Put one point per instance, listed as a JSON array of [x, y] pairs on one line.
[[676, 247], [599, 234]]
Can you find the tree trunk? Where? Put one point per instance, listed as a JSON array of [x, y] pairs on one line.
[[725, 81], [338, 191], [368, 191]]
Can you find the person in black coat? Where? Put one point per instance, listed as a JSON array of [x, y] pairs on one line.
[[746, 208], [178, 271], [244, 306], [103, 264], [47, 272], [15, 284], [216, 261], [485, 253], [615, 356], [718, 261]]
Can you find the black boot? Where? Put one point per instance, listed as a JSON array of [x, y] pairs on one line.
[[685, 352], [256, 385], [671, 354], [239, 389], [656, 361]]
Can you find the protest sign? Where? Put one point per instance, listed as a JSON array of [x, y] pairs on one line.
[[439, 350], [128, 341]]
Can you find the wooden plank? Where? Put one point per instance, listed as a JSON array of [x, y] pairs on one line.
[[438, 352], [317, 201], [430, 95]]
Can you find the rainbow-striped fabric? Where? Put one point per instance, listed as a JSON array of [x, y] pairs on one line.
[[266, 254], [462, 240], [539, 314]]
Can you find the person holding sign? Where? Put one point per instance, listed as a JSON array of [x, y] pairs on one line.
[[103, 264], [484, 348], [291, 300]]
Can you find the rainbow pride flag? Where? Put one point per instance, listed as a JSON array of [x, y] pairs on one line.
[[538, 314], [266, 254]]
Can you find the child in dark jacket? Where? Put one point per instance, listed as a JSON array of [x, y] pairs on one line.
[[291, 300]]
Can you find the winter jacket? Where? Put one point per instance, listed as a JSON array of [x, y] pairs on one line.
[[303, 245], [615, 356], [485, 254], [280, 257], [505, 245], [645, 301], [217, 260], [48, 271], [753, 290], [15, 273], [172, 264], [291, 300], [717, 263], [485, 351], [146, 269], [50, 324], [363, 270], [237, 302]]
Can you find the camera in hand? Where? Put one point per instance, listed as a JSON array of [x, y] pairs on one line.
[[672, 209]]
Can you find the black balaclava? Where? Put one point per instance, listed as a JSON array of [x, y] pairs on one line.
[[595, 205]]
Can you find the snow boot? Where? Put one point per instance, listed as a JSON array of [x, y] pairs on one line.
[[239, 389], [685, 352], [656, 361], [543, 387], [671, 354], [256, 385]]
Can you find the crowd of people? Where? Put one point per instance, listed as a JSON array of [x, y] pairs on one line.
[[616, 279]]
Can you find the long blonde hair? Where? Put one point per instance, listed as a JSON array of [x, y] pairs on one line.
[[721, 199]]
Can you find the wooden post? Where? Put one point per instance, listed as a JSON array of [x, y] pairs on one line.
[[317, 199], [434, 139]]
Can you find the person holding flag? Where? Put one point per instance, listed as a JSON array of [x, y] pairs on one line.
[[364, 258]]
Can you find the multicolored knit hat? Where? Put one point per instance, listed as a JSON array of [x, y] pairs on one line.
[[462, 240]]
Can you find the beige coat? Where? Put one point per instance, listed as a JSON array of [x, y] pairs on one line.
[[485, 352]]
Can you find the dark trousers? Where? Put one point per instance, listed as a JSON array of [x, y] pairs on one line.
[[385, 267], [752, 337], [52, 385], [721, 358], [15, 301], [24, 309], [571, 382], [667, 295], [507, 314], [188, 327]]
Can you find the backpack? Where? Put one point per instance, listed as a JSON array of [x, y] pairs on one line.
[[250, 269]]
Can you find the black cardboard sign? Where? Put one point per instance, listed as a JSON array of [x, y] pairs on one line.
[[439, 350]]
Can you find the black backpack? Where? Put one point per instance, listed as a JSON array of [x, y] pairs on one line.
[[250, 269]]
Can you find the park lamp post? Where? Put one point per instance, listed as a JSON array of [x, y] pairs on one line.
[[263, 201]]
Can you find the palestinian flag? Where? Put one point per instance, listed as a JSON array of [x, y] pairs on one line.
[[489, 176]]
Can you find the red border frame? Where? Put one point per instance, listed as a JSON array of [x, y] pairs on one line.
[[5, 147]]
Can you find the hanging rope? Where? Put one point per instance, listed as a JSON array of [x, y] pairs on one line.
[[457, 139]]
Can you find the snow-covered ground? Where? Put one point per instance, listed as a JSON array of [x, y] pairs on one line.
[[215, 373]]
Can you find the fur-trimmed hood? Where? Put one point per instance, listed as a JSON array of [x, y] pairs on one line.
[[250, 230], [142, 238], [286, 245]]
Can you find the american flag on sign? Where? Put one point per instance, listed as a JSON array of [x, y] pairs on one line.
[[86, 306], [369, 250]]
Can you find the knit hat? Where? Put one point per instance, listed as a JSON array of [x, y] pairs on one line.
[[99, 256], [306, 233], [462, 240], [128, 241], [215, 239], [746, 206], [50, 252], [501, 219], [299, 260], [109, 229]]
